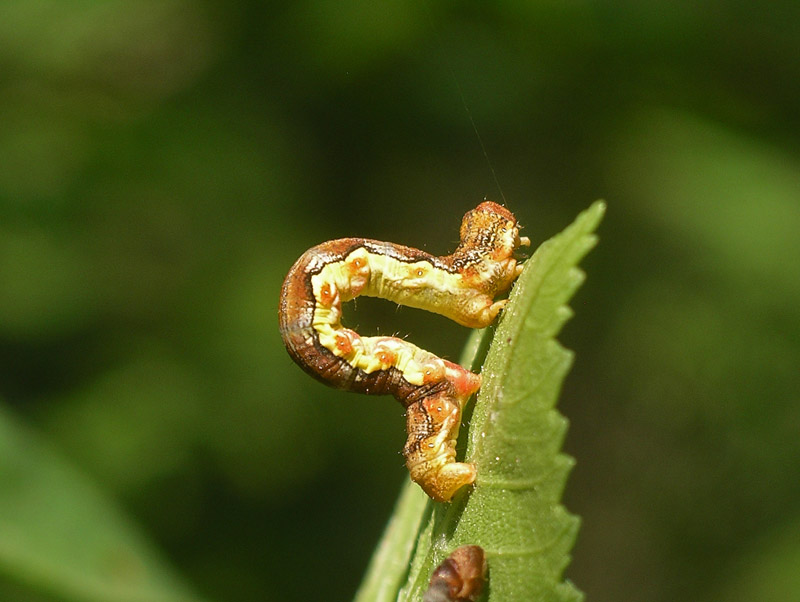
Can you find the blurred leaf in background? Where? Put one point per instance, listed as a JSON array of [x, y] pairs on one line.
[[162, 164], [61, 540]]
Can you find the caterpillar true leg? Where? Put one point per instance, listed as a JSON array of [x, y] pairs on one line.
[[461, 286]]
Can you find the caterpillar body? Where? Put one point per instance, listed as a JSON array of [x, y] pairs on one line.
[[459, 578], [461, 286]]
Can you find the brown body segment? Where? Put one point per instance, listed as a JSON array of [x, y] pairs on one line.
[[459, 578], [461, 286], [296, 315]]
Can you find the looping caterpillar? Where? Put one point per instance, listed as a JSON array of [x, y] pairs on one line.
[[461, 286], [459, 578]]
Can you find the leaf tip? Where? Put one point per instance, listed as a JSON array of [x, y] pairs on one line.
[[593, 214], [599, 207]]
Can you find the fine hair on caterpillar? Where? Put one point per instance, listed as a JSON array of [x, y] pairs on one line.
[[461, 286]]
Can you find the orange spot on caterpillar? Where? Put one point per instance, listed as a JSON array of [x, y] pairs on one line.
[[357, 269], [327, 294], [356, 265], [418, 272], [439, 408], [344, 344], [433, 373], [386, 357]]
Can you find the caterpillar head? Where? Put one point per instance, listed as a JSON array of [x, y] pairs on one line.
[[491, 230]]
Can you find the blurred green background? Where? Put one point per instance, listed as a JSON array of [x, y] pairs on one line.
[[164, 162]]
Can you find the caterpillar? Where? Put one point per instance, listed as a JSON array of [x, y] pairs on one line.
[[459, 578], [461, 286]]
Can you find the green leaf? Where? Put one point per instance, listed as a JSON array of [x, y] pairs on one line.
[[515, 438], [389, 565], [61, 539]]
